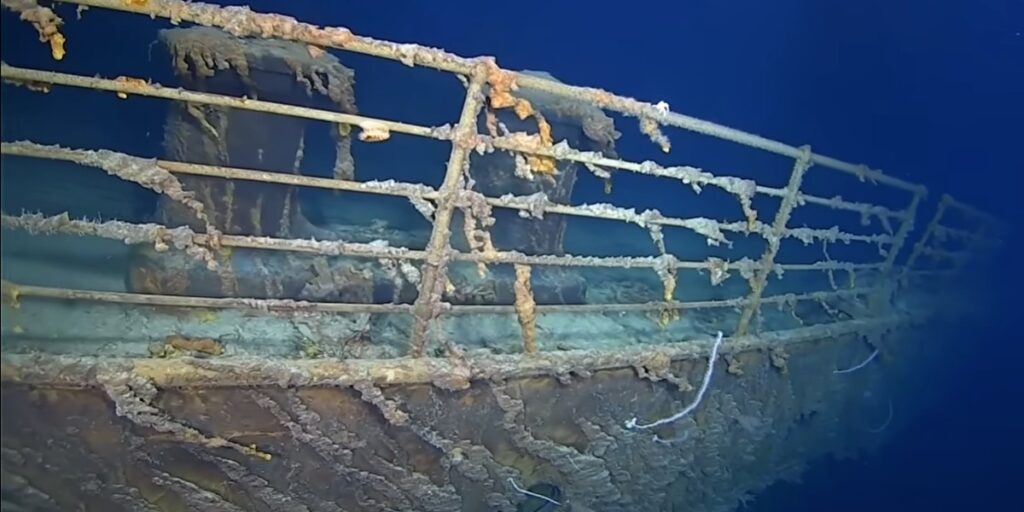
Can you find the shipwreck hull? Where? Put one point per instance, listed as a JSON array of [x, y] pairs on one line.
[[238, 357], [441, 436]]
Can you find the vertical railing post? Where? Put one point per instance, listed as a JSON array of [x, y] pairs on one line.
[[887, 285], [434, 273], [925, 237], [778, 231], [901, 234], [972, 249]]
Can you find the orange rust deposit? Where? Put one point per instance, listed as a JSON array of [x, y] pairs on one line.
[[458, 323], [526, 309], [523, 108], [650, 128], [57, 46], [45, 21], [205, 346], [502, 84], [540, 163], [544, 128], [315, 51], [135, 83]]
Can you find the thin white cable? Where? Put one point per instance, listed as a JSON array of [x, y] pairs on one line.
[[859, 366], [631, 424], [535, 495]]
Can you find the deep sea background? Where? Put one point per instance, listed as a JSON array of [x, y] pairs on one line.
[[931, 92]]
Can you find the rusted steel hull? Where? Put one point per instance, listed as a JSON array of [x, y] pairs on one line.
[[115, 436]]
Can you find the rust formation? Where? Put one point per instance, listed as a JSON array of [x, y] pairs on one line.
[[292, 367]]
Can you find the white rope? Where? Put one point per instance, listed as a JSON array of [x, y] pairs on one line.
[[631, 424], [535, 495], [859, 366]]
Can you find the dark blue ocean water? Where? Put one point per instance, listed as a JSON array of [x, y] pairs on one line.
[[931, 92]]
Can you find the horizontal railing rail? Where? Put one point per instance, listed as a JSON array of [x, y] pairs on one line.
[[484, 80], [934, 243]]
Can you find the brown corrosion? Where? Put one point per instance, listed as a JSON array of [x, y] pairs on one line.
[[45, 22], [502, 83], [105, 435], [178, 345], [526, 309]]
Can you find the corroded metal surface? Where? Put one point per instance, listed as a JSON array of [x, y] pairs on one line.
[[453, 373], [122, 442], [209, 60], [212, 61], [300, 429]]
